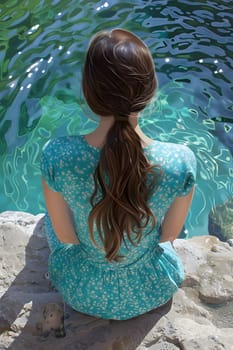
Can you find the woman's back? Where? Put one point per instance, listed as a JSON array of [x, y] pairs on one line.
[[113, 209], [68, 164]]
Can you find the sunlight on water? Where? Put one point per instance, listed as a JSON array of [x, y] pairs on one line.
[[42, 54]]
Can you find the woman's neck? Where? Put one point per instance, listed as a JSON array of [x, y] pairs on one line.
[[97, 137]]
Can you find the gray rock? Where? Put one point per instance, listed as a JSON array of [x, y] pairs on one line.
[[163, 345], [192, 323], [221, 220]]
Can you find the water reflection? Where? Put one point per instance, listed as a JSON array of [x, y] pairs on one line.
[[42, 53]]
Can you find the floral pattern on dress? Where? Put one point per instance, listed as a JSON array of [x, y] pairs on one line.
[[151, 272]]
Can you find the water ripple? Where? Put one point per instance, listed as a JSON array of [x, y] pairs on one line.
[[42, 50]]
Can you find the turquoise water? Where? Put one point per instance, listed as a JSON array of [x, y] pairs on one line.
[[42, 51]]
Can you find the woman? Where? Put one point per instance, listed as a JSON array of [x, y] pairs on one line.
[[116, 199]]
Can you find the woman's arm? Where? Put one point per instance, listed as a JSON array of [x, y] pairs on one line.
[[60, 215], [175, 217]]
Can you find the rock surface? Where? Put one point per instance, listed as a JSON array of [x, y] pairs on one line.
[[221, 221], [201, 316]]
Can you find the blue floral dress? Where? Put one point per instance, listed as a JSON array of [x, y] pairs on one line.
[[150, 273]]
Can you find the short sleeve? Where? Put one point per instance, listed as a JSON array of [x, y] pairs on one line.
[[188, 173], [47, 166]]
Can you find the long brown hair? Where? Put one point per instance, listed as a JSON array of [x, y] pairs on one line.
[[118, 80]]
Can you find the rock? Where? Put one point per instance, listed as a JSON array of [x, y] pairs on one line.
[[209, 262], [201, 316], [163, 345], [221, 221]]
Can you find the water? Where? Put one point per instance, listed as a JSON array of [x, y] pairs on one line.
[[42, 51]]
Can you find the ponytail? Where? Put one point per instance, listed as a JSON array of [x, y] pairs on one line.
[[126, 180], [119, 79]]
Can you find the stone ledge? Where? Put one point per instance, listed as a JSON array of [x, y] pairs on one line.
[[192, 323]]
